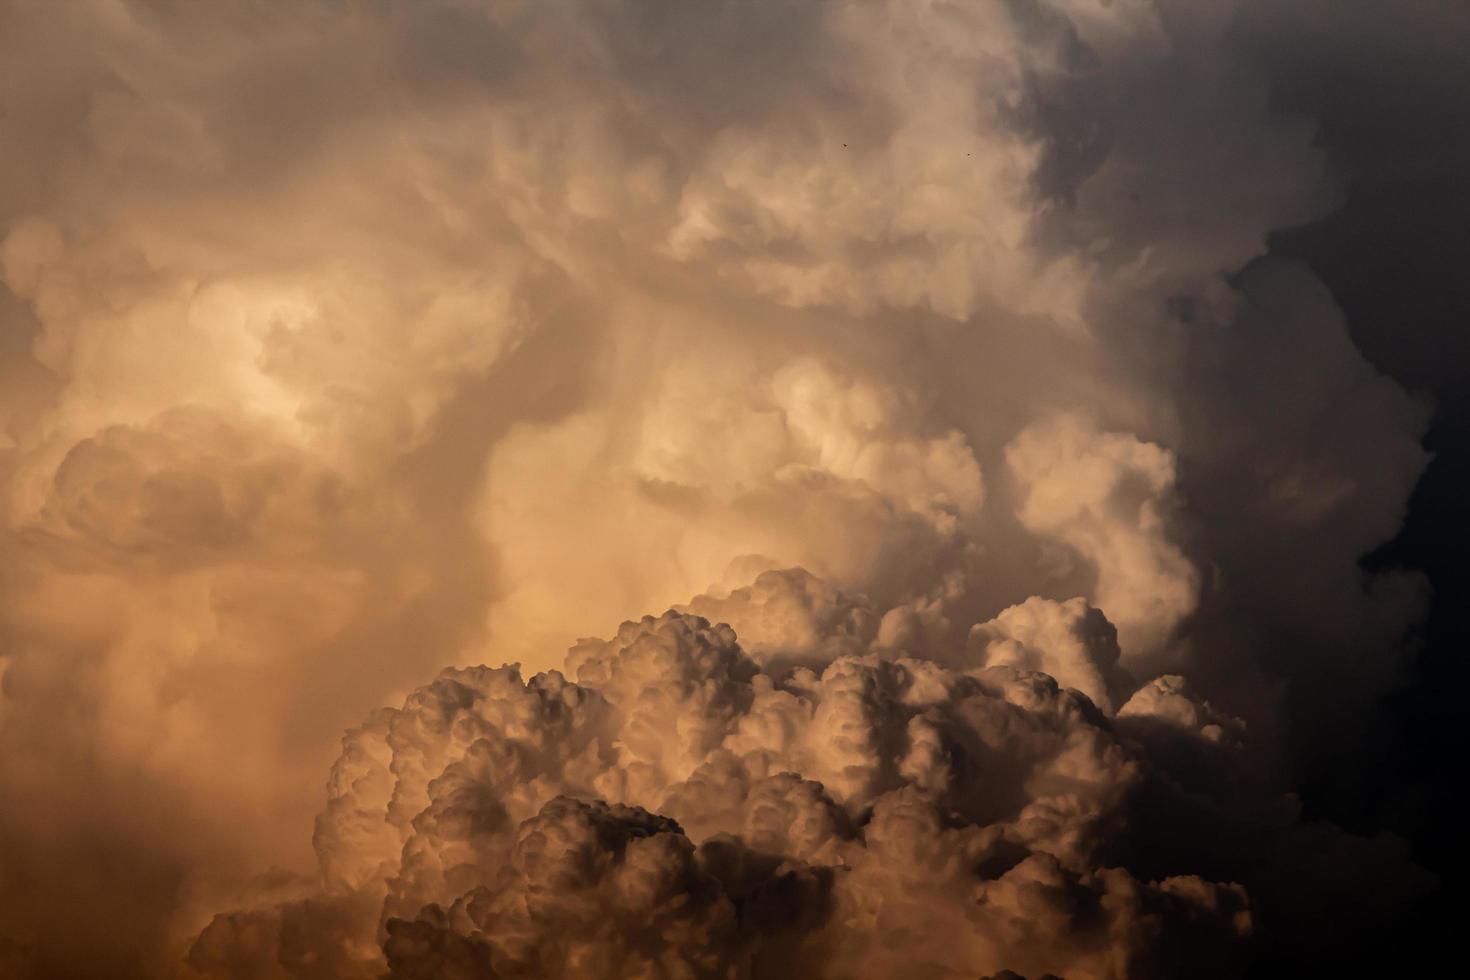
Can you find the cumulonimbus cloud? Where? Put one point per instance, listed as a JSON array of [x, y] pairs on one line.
[[920, 343], [819, 821]]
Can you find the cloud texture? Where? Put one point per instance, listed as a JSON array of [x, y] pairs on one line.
[[816, 824], [926, 345]]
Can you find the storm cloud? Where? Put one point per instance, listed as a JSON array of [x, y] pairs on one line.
[[926, 361]]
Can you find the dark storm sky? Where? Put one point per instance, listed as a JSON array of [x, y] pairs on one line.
[[1390, 92]]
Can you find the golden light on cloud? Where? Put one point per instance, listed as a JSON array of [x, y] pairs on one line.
[[347, 346]]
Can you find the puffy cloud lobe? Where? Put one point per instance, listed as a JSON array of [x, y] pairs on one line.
[[589, 890], [1169, 701], [811, 467], [1071, 641], [1108, 497], [790, 616], [1330, 450], [190, 486]]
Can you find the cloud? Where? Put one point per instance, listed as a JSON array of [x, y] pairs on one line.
[[1071, 641], [823, 818], [922, 345], [1104, 496]]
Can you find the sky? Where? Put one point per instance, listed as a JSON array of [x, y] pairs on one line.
[[637, 489]]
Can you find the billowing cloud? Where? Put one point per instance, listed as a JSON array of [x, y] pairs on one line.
[[667, 806], [917, 355], [1104, 496], [1071, 641], [817, 821]]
